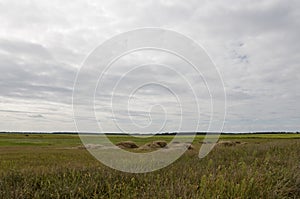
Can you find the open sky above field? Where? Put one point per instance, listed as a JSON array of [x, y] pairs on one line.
[[254, 45]]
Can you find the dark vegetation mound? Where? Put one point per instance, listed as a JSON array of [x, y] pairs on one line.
[[127, 145], [230, 143], [155, 145]]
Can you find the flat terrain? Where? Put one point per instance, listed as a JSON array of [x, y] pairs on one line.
[[56, 166]]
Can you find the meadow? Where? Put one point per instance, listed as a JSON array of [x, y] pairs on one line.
[[55, 166]]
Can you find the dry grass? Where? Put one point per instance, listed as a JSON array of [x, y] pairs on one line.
[[267, 168]]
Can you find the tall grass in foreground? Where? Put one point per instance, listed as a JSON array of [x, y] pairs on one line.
[[266, 170]]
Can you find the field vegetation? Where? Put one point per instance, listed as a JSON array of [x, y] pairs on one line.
[[55, 166]]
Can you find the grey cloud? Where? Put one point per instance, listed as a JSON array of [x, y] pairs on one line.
[[253, 43], [35, 75], [36, 116], [22, 48]]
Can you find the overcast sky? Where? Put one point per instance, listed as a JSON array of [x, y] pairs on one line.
[[254, 44]]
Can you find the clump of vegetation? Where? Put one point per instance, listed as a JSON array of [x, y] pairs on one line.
[[230, 143], [127, 145], [154, 145], [267, 168]]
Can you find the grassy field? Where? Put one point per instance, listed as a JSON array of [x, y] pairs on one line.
[[54, 166]]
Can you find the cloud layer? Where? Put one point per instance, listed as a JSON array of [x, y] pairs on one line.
[[254, 44]]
